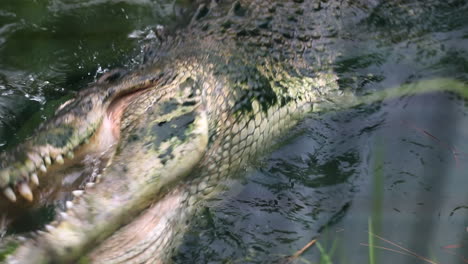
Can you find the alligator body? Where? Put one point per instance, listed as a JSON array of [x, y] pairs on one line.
[[168, 134]]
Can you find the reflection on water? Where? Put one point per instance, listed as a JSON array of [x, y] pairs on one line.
[[400, 163]]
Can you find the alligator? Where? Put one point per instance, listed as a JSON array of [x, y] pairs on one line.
[[207, 100]]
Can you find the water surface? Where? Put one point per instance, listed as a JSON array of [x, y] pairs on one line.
[[399, 164]]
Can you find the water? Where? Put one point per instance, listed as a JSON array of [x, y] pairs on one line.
[[400, 164], [50, 49]]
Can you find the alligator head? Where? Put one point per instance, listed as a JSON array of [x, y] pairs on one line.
[[166, 135]]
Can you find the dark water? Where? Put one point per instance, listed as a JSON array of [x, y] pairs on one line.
[[400, 164], [50, 49]]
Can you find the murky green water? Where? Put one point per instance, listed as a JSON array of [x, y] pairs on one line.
[[50, 49], [401, 163]]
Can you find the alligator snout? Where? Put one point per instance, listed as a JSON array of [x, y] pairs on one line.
[[87, 127]]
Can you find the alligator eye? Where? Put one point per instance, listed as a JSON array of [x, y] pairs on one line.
[[112, 76]]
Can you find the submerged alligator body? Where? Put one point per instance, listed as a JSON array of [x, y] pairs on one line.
[[168, 134]]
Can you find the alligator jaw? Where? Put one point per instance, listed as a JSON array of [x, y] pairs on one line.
[[86, 126], [167, 152]]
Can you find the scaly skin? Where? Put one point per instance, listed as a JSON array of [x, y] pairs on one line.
[[212, 98]]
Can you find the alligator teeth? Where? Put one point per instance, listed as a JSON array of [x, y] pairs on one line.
[[89, 184], [43, 168], [4, 176], [47, 160], [59, 159], [49, 228], [35, 179], [23, 172], [69, 204], [25, 191], [64, 215], [30, 165], [8, 192], [77, 193], [70, 155]]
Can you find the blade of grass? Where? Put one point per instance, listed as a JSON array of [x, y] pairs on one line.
[[371, 242], [452, 149], [385, 248], [404, 249], [323, 255], [300, 251], [375, 220]]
